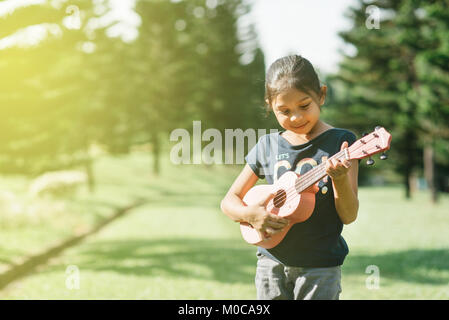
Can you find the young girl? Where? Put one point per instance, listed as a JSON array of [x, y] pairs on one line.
[[306, 263]]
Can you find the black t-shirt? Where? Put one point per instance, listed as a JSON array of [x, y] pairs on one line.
[[316, 242]]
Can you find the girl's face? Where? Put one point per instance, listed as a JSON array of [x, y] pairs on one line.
[[298, 111]]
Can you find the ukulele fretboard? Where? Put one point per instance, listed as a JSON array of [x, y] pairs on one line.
[[316, 174]]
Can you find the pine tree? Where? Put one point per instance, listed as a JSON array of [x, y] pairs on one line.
[[432, 67], [47, 93], [384, 83]]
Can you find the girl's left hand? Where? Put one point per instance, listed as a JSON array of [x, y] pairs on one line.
[[337, 169]]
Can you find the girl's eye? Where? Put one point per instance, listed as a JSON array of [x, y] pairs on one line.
[[285, 111], [306, 106]]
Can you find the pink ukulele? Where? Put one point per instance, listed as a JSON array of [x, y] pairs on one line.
[[295, 194]]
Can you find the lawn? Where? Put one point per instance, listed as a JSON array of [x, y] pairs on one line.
[[180, 246], [406, 240]]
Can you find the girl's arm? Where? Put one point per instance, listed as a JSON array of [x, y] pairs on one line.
[[344, 176], [233, 206]]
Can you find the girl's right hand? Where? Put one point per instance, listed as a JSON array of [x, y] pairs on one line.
[[266, 223]]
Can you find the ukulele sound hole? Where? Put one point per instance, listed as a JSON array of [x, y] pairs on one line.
[[279, 198]]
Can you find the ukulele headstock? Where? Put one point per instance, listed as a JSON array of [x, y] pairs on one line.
[[375, 142]]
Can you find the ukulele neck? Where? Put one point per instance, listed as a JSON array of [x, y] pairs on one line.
[[317, 173]]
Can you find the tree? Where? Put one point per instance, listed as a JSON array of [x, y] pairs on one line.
[[433, 74], [187, 59], [47, 93], [382, 83]]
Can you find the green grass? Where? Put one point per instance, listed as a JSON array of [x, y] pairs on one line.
[[406, 240], [180, 246], [24, 234]]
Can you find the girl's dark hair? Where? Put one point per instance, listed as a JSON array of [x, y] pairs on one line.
[[289, 72]]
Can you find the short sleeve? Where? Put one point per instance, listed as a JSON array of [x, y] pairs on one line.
[[348, 136], [256, 158]]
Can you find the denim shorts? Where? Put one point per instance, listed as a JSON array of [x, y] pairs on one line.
[[274, 281]]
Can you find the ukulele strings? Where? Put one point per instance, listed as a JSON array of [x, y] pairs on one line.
[[303, 184], [306, 179], [311, 175]]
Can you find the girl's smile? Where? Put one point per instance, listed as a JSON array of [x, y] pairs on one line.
[[302, 126]]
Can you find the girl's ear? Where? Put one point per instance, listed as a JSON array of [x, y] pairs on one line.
[[323, 91]]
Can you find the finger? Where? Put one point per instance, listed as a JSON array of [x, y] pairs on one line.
[[344, 145], [277, 225], [341, 164], [329, 165], [346, 164], [271, 231], [335, 163], [265, 235], [276, 218]]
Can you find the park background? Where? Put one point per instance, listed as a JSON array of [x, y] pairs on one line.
[[91, 205]]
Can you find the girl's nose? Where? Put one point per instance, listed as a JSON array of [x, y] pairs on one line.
[[295, 117]]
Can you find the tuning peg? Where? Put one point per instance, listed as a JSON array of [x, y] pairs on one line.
[[377, 127], [383, 156], [364, 134], [370, 161]]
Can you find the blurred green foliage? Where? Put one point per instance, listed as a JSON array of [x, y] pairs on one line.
[[398, 78], [81, 86]]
